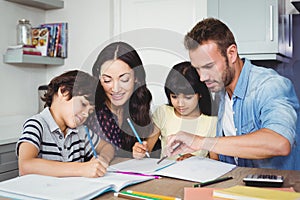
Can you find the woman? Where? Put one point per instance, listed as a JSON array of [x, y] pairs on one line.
[[125, 95]]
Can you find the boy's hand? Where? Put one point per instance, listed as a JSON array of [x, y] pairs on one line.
[[96, 167], [139, 150]]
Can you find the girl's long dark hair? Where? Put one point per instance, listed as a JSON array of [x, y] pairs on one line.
[[183, 78], [138, 106]]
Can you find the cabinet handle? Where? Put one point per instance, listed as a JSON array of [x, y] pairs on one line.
[[271, 23], [290, 29]]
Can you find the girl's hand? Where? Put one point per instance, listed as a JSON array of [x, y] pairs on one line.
[[139, 150], [185, 156], [96, 167]]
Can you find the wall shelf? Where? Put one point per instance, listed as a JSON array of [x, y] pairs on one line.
[[30, 59], [42, 4]]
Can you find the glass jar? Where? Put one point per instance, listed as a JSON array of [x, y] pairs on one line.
[[24, 32]]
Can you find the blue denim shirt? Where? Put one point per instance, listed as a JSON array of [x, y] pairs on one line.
[[264, 99]]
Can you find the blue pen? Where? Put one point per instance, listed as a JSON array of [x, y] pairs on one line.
[[136, 135], [91, 142]]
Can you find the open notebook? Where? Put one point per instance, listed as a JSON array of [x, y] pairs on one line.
[[46, 187], [195, 168]]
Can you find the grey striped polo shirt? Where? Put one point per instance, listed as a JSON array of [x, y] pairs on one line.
[[42, 131]]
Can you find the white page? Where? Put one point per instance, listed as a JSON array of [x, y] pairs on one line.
[[145, 165], [196, 169], [46, 187]]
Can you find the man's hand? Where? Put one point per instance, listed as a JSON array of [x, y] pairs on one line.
[[189, 143]]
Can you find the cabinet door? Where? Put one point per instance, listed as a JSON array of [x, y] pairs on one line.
[[156, 28], [258, 25]]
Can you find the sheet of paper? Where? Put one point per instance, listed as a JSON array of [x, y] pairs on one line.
[[196, 169], [145, 165]]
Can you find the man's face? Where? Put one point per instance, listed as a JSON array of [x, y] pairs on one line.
[[211, 66]]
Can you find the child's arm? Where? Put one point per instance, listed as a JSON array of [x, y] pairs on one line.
[[105, 151], [139, 150], [29, 163], [213, 155]]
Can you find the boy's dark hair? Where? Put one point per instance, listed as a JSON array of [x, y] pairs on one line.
[[210, 29], [183, 78], [76, 83]]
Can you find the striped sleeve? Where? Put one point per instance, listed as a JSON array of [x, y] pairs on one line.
[[32, 133]]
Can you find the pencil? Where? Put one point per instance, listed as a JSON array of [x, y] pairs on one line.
[[213, 181], [136, 135], [127, 195], [153, 195], [165, 156], [91, 142]]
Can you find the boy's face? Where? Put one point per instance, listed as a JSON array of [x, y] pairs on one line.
[[77, 111]]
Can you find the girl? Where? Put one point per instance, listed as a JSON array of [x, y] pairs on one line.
[[188, 109]]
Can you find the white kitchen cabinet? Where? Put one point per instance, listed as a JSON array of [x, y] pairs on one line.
[[262, 28]]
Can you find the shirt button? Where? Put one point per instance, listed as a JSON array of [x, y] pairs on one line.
[[60, 137]]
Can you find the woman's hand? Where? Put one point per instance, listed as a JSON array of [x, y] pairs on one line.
[[139, 150]]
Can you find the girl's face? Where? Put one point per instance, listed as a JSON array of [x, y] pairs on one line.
[[117, 79], [185, 105]]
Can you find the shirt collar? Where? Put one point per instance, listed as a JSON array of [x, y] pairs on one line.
[[47, 116], [242, 84]]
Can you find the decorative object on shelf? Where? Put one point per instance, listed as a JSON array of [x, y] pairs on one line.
[[51, 39], [22, 49], [40, 39], [24, 32]]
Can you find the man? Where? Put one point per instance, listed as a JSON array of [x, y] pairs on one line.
[[258, 109]]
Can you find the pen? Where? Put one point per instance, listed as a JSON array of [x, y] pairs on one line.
[[91, 142], [213, 181], [136, 135], [153, 195], [164, 157]]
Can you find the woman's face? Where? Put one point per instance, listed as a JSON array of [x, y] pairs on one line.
[[117, 79]]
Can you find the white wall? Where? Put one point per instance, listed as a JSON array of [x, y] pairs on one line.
[[89, 27]]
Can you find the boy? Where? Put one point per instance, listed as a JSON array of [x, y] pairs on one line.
[[54, 142]]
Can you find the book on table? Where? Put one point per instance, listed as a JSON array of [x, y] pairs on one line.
[[195, 168], [240, 192], [192, 193], [46, 187]]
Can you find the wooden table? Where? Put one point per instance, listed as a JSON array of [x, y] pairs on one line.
[[175, 187]]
